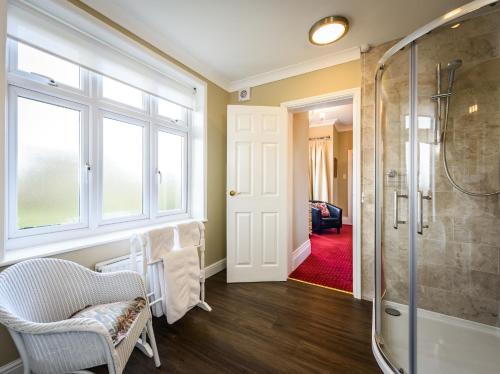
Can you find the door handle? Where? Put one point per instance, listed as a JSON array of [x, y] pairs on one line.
[[420, 212], [232, 193], [395, 207]]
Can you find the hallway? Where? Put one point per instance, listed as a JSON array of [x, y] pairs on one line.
[[330, 261]]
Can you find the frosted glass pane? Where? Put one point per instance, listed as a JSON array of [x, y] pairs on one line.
[[121, 93], [33, 60], [171, 110], [122, 169], [170, 163], [48, 164]]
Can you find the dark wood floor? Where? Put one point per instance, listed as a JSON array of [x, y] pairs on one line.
[[282, 327]]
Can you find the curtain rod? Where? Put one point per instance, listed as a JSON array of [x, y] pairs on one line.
[[320, 138]]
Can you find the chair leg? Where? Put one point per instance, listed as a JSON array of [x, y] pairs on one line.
[[338, 230], [152, 339]]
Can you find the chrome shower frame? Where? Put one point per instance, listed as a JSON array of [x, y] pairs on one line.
[[410, 41]]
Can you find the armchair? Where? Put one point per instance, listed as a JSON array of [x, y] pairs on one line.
[[38, 296], [320, 223]]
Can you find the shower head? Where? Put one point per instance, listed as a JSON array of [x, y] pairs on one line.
[[454, 64], [451, 67]]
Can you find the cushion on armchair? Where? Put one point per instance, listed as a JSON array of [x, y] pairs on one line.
[[116, 317], [323, 209]]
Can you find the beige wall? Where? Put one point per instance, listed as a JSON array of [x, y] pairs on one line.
[[334, 78], [300, 179], [344, 145], [216, 172]]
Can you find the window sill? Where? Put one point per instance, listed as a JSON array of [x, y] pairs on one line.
[[16, 255]]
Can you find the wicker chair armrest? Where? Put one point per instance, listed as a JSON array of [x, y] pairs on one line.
[[64, 326]]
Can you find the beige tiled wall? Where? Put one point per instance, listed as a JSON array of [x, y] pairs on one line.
[[458, 257]]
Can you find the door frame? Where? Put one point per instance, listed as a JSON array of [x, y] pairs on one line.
[[289, 107]]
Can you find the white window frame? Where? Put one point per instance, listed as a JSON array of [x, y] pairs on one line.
[[12, 66], [146, 174], [13, 93], [97, 80], [90, 97], [157, 128], [156, 113]]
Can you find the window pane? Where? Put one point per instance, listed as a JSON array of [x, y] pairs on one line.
[[33, 60], [171, 110], [122, 169], [48, 164], [121, 93], [170, 164]]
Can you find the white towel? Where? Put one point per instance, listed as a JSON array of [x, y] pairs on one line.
[[182, 282], [189, 234], [161, 241]]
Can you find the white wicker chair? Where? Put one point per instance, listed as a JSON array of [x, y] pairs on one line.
[[37, 297]]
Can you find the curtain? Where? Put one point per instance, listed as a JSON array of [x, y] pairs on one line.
[[318, 172]]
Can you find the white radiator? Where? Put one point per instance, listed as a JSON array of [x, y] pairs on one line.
[[117, 264], [123, 263]]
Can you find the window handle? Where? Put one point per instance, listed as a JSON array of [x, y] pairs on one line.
[[50, 80], [160, 176], [88, 168]]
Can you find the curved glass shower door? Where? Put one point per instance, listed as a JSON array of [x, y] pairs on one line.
[[393, 114], [437, 216], [458, 240]]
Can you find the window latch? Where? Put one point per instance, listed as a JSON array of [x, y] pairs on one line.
[[160, 176], [50, 81], [88, 167]]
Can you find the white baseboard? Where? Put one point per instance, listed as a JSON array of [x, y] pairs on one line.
[[214, 268], [13, 367], [347, 220], [300, 254]]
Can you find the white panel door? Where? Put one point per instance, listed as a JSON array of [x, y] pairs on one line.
[[257, 141]]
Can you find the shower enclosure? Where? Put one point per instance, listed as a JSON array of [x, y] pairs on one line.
[[437, 239]]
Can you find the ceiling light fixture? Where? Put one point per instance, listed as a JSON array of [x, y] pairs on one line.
[[328, 30], [455, 26]]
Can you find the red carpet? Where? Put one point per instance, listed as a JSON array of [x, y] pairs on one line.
[[330, 261]]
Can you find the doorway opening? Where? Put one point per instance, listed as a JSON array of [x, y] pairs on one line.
[[324, 168]]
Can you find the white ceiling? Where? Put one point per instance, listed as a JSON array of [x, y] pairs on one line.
[[339, 115], [232, 40]]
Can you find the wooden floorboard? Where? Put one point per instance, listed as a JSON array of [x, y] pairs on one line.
[[276, 327]]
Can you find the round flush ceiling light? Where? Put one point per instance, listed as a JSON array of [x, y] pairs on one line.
[[328, 30]]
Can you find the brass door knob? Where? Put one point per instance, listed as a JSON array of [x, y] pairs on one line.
[[232, 193]]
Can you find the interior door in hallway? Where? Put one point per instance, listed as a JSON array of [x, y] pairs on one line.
[[257, 140]]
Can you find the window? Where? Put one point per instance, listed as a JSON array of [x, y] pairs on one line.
[[83, 161], [49, 159], [121, 93], [171, 165], [122, 158], [45, 66], [170, 110]]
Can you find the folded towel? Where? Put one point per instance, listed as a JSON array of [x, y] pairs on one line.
[[161, 241], [189, 234], [182, 282]]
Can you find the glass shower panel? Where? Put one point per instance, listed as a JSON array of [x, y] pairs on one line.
[[393, 109], [457, 247]]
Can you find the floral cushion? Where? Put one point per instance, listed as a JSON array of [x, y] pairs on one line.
[[323, 208], [116, 317]]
